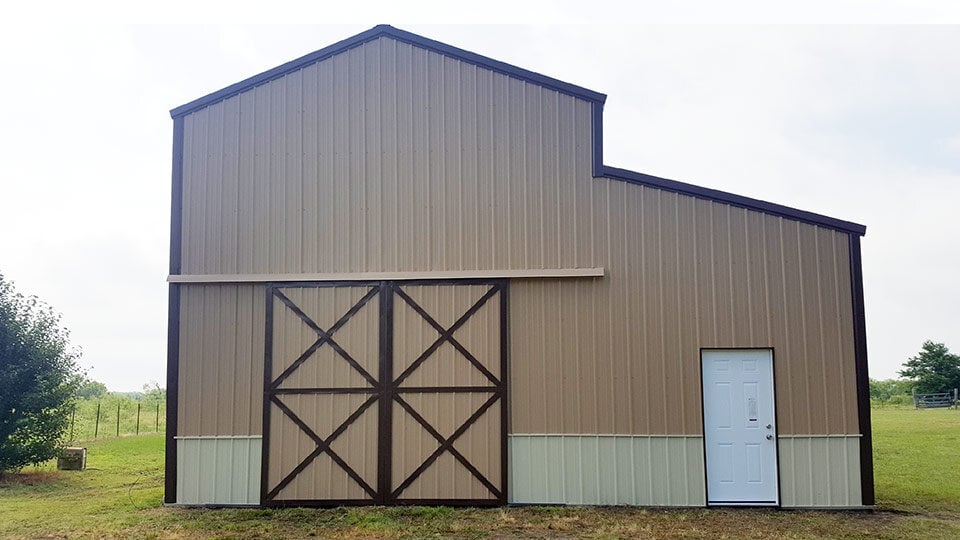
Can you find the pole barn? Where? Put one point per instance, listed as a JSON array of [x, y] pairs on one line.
[[400, 273]]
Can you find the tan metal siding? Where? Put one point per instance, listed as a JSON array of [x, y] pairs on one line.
[[463, 166], [620, 354], [392, 158], [221, 360]]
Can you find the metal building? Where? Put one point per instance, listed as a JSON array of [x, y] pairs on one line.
[[401, 273]]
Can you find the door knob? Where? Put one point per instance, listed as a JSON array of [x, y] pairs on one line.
[[769, 437]]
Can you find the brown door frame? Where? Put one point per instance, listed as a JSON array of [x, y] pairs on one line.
[[386, 395]]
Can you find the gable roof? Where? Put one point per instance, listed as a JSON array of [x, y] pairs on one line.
[[595, 98]]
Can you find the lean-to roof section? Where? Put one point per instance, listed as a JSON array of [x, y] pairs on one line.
[[595, 98]]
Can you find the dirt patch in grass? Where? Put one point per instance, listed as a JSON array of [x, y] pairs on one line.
[[29, 478]]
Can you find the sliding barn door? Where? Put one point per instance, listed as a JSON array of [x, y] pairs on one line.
[[385, 393]]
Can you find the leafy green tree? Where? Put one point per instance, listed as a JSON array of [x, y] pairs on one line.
[[39, 379], [153, 392], [92, 389], [934, 370], [890, 390]]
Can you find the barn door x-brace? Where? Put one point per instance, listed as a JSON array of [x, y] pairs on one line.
[[385, 393]]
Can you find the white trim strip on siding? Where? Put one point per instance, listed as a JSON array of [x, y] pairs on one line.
[[642, 470], [391, 276]]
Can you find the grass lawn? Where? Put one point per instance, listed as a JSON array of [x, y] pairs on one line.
[[917, 478]]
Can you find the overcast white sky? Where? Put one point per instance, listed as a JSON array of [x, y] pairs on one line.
[[856, 122]]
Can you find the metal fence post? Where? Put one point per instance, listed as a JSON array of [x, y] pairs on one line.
[[118, 419], [157, 428], [96, 428], [138, 418]]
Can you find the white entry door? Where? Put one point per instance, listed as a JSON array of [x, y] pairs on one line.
[[739, 428]]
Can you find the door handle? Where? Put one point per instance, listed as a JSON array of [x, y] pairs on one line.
[[769, 437]]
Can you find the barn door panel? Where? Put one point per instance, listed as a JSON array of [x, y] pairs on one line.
[[449, 425], [321, 395], [385, 393], [327, 452]]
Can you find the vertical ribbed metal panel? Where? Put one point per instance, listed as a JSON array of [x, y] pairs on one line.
[[820, 471], [221, 359], [386, 157], [390, 158], [218, 470], [606, 470], [620, 355]]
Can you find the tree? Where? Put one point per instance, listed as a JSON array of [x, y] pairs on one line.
[[91, 389], [884, 389], [935, 369], [39, 379], [153, 392]]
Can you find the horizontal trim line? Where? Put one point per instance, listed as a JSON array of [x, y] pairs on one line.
[[390, 276], [204, 437], [403, 36], [597, 435], [730, 198]]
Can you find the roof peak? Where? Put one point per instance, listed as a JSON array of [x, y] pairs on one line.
[[385, 30]]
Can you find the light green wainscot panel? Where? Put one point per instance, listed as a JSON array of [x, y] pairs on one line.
[[820, 471], [606, 470], [218, 470]]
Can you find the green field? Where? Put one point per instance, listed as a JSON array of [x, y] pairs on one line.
[[917, 479]]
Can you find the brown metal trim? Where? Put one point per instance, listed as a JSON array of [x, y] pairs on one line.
[[447, 502], [444, 389], [446, 336], [325, 336], [385, 418], [504, 385], [173, 317], [267, 380], [863, 377], [445, 446], [173, 381], [453, 451], [348, 390], [316, 503], [323, 445]]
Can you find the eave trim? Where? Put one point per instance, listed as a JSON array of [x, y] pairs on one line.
[[732, 199]]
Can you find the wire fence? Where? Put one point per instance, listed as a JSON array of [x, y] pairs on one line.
[[113, 417]]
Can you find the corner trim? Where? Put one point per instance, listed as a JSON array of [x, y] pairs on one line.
[[173, 317], [863, 377]]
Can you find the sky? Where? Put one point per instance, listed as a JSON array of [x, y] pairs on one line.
[[859, 122]]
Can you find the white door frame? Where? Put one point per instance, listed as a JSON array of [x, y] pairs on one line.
[[773, 430]]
